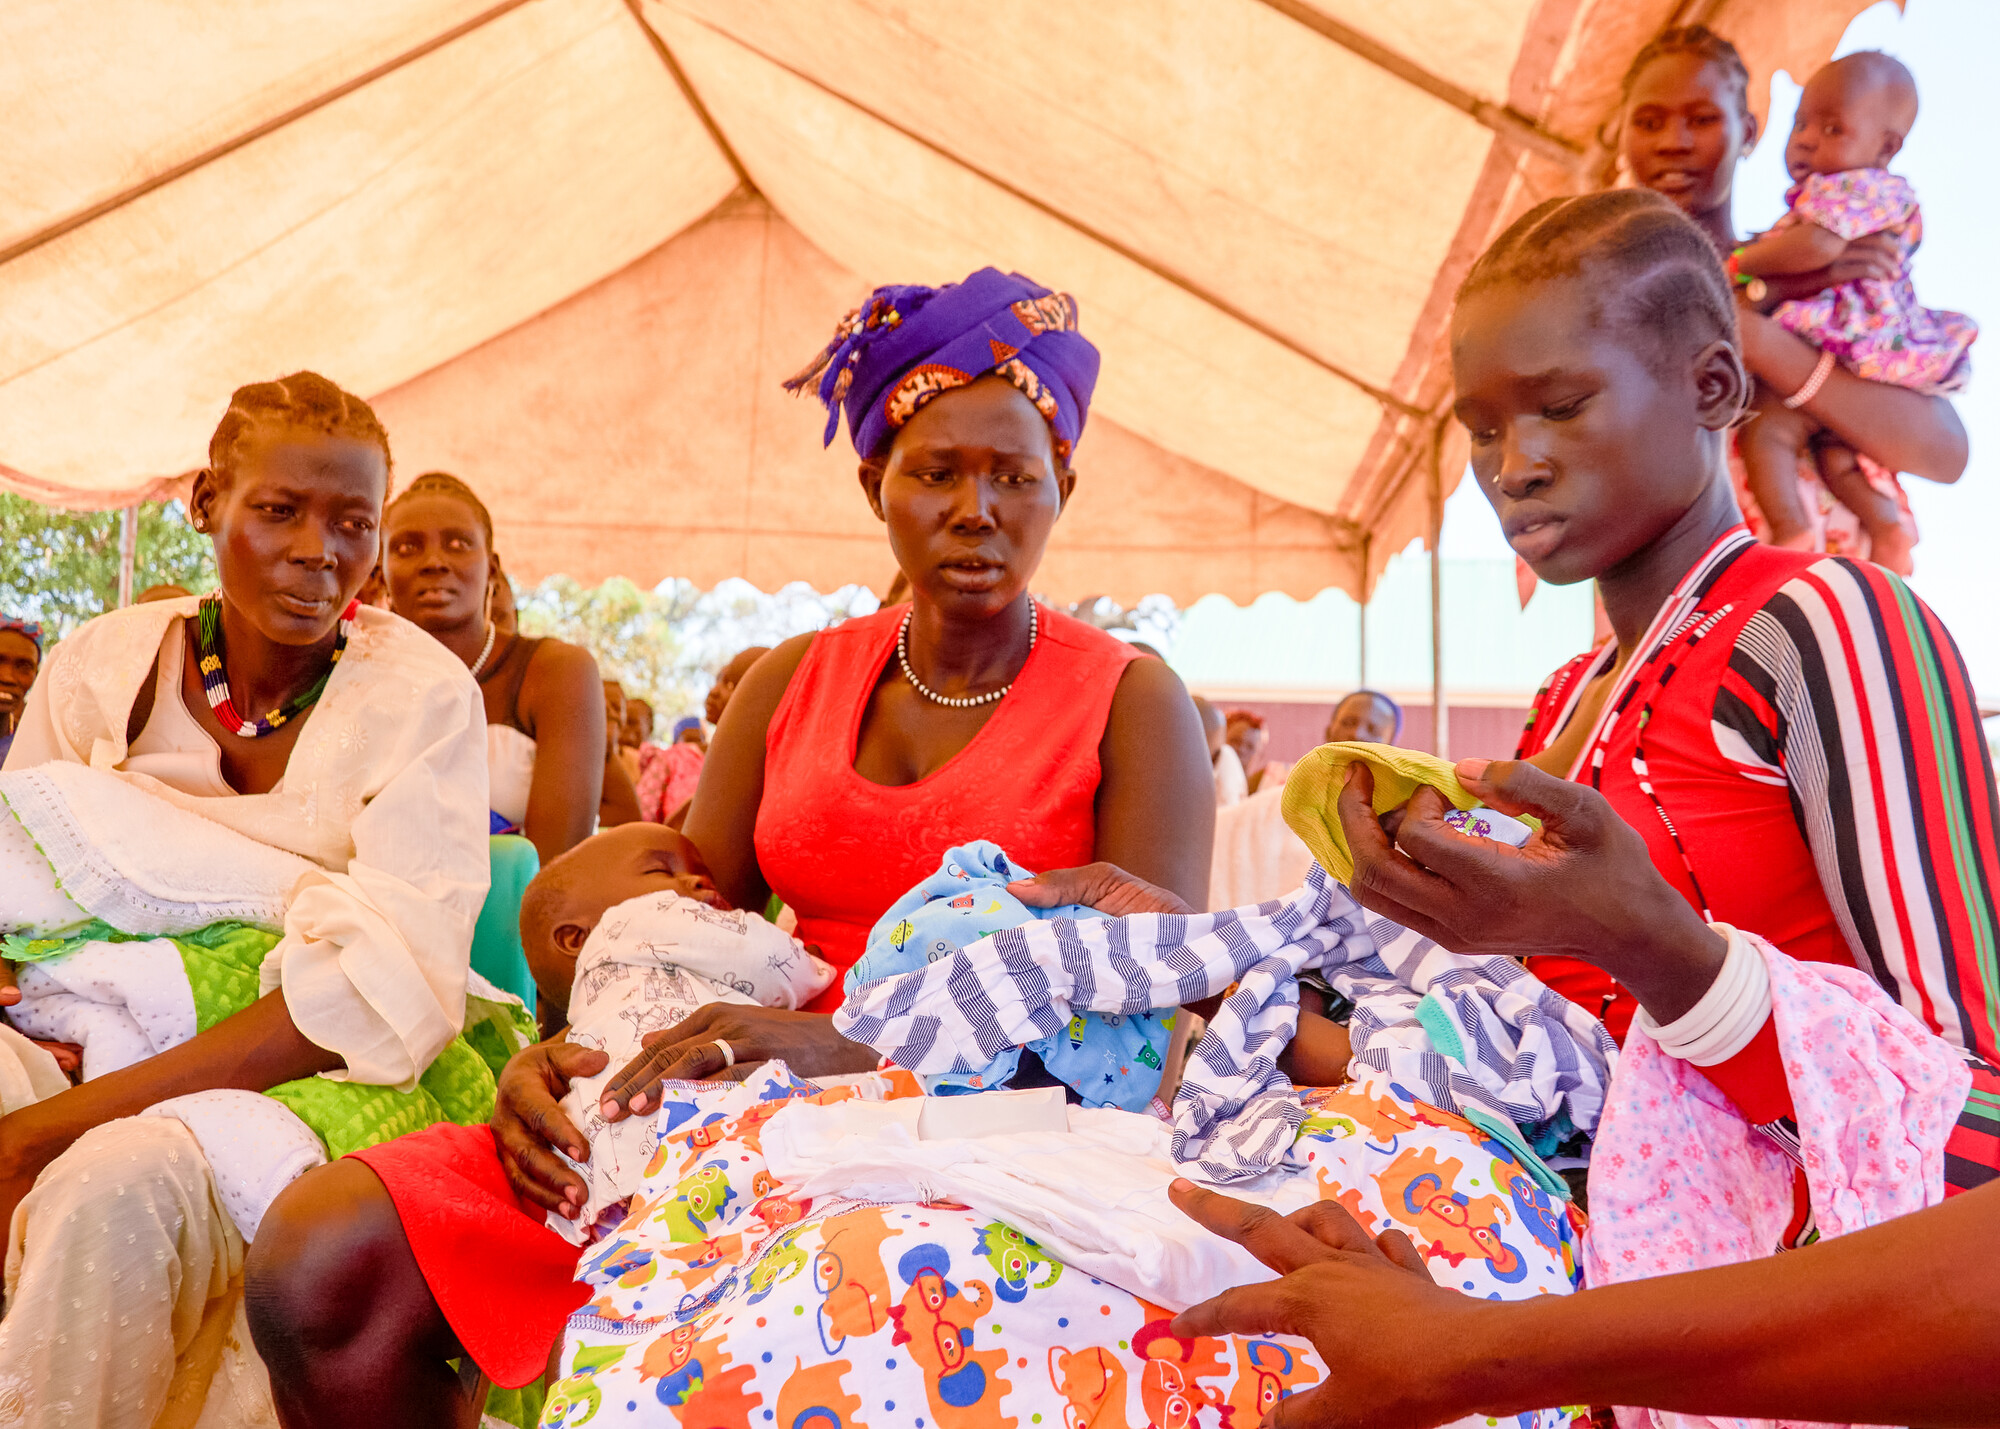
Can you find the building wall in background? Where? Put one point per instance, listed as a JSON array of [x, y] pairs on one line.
[[1496, 654], [1486, 731]]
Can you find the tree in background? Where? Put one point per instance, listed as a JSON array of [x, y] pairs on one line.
[[665, 645], [61, 567]]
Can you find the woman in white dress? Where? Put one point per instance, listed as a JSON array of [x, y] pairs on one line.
[[545, 724], [282, 710]]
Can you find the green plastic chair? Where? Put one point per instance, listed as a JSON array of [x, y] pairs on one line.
[[497, 954]]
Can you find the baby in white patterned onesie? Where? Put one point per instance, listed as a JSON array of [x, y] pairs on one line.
[[627, 936]]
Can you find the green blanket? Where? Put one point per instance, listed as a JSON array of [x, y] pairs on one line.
[[222, 963]]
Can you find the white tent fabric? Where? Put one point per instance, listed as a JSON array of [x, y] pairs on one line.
[[572, 246]]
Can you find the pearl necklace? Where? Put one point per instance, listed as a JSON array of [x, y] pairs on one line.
[[485, 650], [969, 701]]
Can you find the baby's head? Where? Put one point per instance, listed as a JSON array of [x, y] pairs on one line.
[[1854, 114], [564, 902]]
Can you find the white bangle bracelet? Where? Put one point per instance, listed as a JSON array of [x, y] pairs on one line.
[[1806, 393], [1727, 1017]]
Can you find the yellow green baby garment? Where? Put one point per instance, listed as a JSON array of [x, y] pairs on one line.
[[1312, 795]]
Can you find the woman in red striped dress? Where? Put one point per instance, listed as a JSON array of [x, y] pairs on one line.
[[1793, 737]]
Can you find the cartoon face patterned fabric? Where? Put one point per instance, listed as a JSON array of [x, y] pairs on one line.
[[1110, 1058], [722, 1302]]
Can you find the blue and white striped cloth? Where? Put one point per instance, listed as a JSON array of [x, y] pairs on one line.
[[1479, 1036]]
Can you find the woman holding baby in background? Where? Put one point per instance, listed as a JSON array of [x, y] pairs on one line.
[[1683, 127]]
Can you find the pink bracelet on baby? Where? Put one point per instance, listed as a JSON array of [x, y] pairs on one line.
[[1806, 393]]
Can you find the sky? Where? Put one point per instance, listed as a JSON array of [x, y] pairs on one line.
[[1952, 46]]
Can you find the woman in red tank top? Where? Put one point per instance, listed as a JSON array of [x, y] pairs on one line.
[[840, 847], [846, 763], [843, 769]]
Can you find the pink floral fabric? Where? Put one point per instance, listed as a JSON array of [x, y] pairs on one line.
[[1875, 327], [1836, 531], [668, 774], [1680, 1181]]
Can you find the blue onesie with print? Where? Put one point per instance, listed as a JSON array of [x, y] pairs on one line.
[[1111, 1060]]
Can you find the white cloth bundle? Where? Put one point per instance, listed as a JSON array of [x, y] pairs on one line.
[[255, 1145], [138, 862], [648, 963], [120, 1002], [1094, 1197], [77, 843]]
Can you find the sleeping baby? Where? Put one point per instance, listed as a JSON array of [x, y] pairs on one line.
[[627, 934]]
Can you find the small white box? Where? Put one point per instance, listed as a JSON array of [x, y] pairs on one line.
[[993, 1114]]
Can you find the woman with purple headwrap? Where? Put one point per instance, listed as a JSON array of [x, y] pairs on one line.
[[20, 658], [848, 761]]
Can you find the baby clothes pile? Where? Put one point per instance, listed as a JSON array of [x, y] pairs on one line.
[[1111, 1058], [1479, 1036], [648, 963]]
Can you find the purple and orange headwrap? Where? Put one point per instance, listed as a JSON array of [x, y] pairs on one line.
[[27, 627], [906, 344]]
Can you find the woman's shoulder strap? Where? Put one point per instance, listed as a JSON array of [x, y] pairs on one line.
[[513, 672], [1086, 639]]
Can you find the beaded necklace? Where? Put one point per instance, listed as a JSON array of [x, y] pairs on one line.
[[969, 701], [215, 680]]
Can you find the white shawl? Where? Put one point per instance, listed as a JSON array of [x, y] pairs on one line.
[[385, 792]]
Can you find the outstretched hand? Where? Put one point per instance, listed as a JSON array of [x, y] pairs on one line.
[[1335, 1277], [689, 1051], [1103, 886], [1583, 885]]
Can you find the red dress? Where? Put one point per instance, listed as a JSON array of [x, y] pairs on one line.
[[839, 849], [1798, 743]]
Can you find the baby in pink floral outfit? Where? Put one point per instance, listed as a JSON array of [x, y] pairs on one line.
[[1851, 122]]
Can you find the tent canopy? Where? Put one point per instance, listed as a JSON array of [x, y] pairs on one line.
[[570, 247]]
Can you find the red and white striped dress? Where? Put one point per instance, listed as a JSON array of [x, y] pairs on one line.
[[1796, 739], [1798, 742]]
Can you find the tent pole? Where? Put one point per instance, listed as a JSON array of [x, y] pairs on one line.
[[128, 552], [1361, 619], [1440, 712]]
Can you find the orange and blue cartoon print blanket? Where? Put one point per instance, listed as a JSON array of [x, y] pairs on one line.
[[723, 1301]]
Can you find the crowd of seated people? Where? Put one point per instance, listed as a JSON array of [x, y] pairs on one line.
[[279, 1137]]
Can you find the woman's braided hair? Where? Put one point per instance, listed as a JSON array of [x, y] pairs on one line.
[[1697, 40], [443, 483], [1650, 266], [304, 401]]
